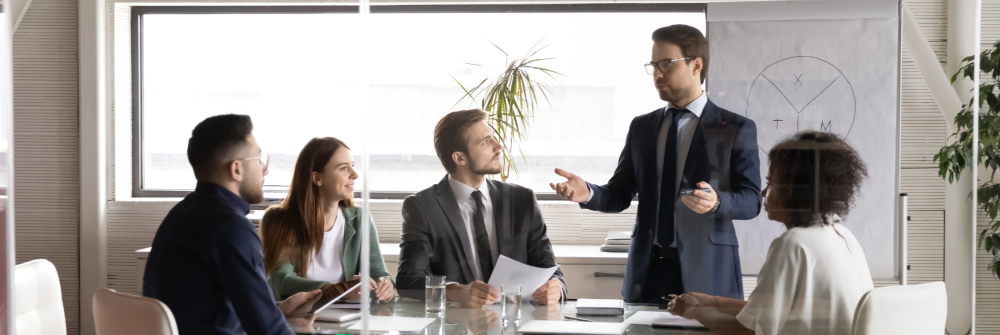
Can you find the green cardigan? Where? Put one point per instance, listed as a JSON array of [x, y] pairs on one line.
[[285, 282]]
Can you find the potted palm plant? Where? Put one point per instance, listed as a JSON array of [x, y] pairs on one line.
[[511, 100], [957, 156]]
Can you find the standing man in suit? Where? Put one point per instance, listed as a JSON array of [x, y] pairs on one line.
[[460, 227], [681, 243]]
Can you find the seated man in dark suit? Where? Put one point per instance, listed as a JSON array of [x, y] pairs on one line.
[[460, 227], [207, 263]]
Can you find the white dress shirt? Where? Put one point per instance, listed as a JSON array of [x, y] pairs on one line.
[[326, 264], [810, 283], [467, 205], [685, 132]]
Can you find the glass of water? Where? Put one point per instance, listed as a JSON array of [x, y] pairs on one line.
[[434, 294], [510, 300]]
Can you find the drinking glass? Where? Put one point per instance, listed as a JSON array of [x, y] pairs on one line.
[[434, 294], [510, 297]]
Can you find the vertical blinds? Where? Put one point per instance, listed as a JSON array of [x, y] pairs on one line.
[[46, 142]]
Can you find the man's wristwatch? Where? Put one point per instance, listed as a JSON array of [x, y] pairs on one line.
[[716, 207]]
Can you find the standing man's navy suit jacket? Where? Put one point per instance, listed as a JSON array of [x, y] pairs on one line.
[[724, 154]]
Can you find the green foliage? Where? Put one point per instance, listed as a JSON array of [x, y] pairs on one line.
[[957, 156], [511, 100]]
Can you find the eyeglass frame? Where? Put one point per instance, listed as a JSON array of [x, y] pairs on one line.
[[651, 67], [263, 159]]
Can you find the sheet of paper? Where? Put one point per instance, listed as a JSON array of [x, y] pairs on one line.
[[572, 327], [510, 272], [394, 323], [661, 318]]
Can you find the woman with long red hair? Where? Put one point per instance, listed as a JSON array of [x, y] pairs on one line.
[[312, 239]]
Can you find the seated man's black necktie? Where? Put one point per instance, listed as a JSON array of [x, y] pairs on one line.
[[482, 239]]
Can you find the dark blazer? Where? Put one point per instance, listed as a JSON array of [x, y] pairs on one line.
[[435, 240], [207, 265], [723, 153]]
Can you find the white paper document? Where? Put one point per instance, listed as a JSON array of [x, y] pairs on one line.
[[662, 319], [572, 327], [509, 272], [394, 323]]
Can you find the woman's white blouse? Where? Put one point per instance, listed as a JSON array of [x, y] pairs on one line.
[[810, 283], [326, 264]]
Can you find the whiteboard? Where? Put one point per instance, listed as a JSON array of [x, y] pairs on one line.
[[837, 75]]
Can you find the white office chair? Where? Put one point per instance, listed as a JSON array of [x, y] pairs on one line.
[[911, 309], [38, 306], [120, 313]]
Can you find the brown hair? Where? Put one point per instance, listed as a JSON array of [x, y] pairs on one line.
[[296, 230], [449, 135], [692, 43], [815, 174]]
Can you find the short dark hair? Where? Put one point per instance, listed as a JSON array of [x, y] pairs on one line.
[[811, 164], [449, 135], [215, 139], [692, 43]]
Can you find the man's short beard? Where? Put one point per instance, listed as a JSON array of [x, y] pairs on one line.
[[483, 170], [252, 194], [678, 95]]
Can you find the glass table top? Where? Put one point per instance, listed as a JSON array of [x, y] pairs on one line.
[[460, 321]]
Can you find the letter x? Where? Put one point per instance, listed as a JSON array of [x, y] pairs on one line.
[[790, 102]]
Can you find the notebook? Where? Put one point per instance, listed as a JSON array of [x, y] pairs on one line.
[[619, 235], [572, 327], [337, 315], [394, 324], [600, 307]]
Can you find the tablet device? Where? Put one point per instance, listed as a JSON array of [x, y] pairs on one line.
[[324, 303], [676, 322]]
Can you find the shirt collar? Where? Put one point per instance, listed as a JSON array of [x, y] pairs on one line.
[[216, 190], [695, 107], [463, 191]]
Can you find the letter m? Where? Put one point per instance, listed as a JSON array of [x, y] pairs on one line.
[[825, 127]]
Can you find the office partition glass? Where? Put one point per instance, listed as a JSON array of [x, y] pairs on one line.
[[6, 175]]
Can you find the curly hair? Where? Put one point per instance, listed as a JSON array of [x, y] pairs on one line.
[[814, 174]]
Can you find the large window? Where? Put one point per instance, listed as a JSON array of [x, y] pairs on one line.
[[299, 74]]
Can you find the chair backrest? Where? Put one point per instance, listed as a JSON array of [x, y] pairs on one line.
[[911, 309], [120, 313], [38, 306]]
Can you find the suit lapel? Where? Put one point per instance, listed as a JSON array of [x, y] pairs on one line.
[[649, 145], [449, 205], [696, 153], [501, 215], [350, 257]]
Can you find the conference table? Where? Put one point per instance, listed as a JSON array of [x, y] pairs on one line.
[[459, 321]]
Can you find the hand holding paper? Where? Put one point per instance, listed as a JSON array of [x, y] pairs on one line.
[[510, 272], [549, 293]]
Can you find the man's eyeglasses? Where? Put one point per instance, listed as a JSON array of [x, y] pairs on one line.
[[662, 65], [263, 159]]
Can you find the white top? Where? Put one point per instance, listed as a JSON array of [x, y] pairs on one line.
[[810, 283], [326, 264], [467, 205]]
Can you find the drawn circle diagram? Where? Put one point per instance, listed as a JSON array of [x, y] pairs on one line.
[[800, 93]]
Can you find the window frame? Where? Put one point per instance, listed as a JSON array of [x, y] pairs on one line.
[[376, 8]]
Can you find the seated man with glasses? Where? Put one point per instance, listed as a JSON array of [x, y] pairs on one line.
[[207, 263]]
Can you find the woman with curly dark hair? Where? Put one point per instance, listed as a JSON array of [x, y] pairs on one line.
[[815, 273]]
